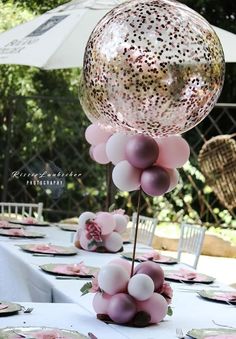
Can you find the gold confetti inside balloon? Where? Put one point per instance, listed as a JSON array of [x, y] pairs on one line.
[[151, 66]]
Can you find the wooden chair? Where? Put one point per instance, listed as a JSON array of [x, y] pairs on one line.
[[146, 229], [13, 210], [191, 241]]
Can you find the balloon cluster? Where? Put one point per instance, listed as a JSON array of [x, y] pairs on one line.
[[101, 231], [140, 161], [140, 300]]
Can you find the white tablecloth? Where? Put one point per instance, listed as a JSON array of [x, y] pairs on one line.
[[65, 316], [21, 279]]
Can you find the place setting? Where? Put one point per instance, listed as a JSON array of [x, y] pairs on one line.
[[49, 250], [70, 271], [28, 221], [40, 333], [151, 256], [188, 277], [226, 297], [20, 233], [5, 225], [212, 333]]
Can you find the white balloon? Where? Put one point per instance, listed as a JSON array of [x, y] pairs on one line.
[[115, 147], [121, 222], [84, 217], [113, 279], [126, 177], [113, 242], [141, 287]]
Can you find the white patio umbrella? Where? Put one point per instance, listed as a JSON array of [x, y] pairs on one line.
[[57, 39]]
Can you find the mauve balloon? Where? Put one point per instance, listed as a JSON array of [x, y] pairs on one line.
[[153, 270], [121, 308], [141, 151], [155, 181]]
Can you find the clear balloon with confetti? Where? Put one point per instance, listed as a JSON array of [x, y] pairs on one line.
[[154, 67]]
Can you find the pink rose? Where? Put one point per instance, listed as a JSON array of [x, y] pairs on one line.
[[95, 287], [167, 292], [93, 231]]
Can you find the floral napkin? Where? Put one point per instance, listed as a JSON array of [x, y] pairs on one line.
[[3, 223], [226, 296], [185, 274], [17, 232], [153, 255], [78, 269], [30, 220], [44, 248]]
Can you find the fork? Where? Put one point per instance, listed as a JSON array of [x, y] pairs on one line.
[[227, 326], [179, 333], [27, 310], [22, 335]]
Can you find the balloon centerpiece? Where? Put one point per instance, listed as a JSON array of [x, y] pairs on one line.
[[140, 300], [152, 69], [101, 232]]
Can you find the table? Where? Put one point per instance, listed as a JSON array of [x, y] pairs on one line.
[[64, 316], [29, 283]]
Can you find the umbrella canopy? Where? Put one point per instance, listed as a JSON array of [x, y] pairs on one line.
[[57, 39]]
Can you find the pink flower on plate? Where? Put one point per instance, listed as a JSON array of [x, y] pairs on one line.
[[30, 220], [93, 231], [167, 292], [186, 274], [95, 287], [152, 255], [3, 223]]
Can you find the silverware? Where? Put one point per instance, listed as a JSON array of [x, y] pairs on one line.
[[227, 326], [71, 278], [22, 335], [27, 310], [179, 333], [43, 255], [92, 336]]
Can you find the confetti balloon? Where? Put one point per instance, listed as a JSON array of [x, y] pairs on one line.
[[151, 67]]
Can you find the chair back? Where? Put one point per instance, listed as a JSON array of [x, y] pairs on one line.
[[12, 210], [146, 229], [191, 241]]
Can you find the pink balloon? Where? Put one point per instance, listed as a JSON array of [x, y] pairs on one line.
[[91, 148], [121, 222], [123, 263], [115, 147], [174, 178], [122, 308], [174, 151], [126, 177], [99, 154], [106, 221], [96, 135], [100, 302], [156, 306], [84, 242], [113, 242]]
